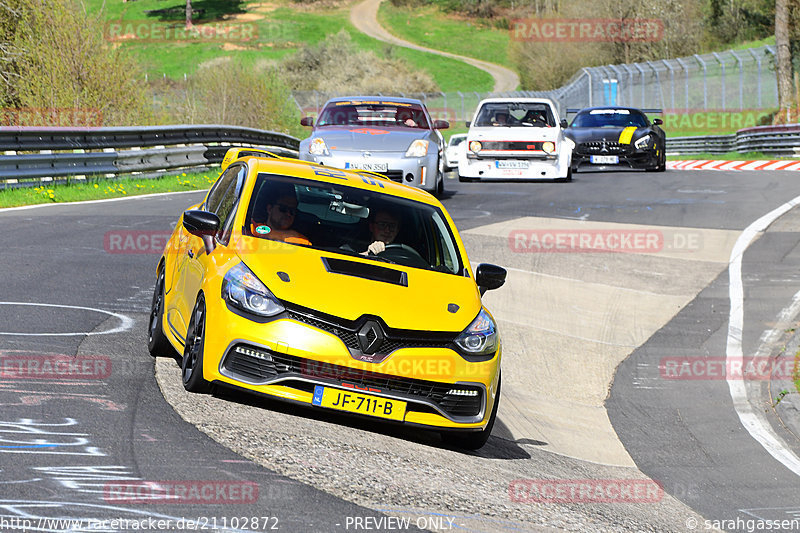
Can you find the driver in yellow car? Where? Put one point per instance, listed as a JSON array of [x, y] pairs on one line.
[[383, 227], [280, 217]]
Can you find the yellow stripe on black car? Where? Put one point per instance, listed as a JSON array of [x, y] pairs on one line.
[[627, 133]]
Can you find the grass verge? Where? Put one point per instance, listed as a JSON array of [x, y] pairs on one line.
[[97, 189]]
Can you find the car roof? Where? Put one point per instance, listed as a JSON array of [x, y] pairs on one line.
[[285, 166], [364, 99]]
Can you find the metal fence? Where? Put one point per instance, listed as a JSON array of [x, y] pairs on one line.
[[725, 81]]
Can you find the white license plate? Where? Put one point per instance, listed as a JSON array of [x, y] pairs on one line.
[[511, 164], [604, 159], [372, 167]]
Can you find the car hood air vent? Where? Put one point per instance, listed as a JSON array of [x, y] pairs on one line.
[[366, 271]]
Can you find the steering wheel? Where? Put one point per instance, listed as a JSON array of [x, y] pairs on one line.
[[404, 254]]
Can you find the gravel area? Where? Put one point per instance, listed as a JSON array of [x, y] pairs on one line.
[[406, 472]]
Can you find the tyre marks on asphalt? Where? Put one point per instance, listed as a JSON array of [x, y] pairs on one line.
[[579, 298]]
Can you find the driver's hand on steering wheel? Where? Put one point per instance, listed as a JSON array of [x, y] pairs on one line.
[[376, 247]]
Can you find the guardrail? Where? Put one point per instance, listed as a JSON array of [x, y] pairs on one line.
[[779, 141], [32, 154]]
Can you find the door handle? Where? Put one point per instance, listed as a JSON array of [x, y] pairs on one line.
[[191, 253]]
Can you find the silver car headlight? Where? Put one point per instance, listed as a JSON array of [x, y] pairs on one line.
[[243, 290], [642, 143], [480, 337], [317, 147], [418, 148]]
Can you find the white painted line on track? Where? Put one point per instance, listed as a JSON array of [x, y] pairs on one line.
[[126, 322], [104, 200], [752, 420]]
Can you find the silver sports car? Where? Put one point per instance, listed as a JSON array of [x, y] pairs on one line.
[[392, 136]]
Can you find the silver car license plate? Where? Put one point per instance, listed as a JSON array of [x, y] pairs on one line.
[[372, 167], [605, 159]]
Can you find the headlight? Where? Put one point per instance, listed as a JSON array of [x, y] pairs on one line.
[[317, 147], [480, 337], [642, 143], [549, 147], [475, 146], [418, 148], [242, 289]]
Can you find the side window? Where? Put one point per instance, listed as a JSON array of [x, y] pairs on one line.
[[228, 202], [219, 188]]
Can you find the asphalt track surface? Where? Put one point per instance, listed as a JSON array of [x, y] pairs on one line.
[[68, 442]]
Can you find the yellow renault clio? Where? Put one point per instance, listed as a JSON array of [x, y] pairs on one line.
[[335, 289]]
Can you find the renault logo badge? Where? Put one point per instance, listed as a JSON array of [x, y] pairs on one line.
[[370, 337]]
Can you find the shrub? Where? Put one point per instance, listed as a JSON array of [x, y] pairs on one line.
[[336, 65], [228, 92], [58, 60]]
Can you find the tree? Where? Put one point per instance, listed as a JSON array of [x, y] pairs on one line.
[[188, 14]]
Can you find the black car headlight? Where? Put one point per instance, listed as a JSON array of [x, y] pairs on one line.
[[243, 290], [642, 143], [480, 337]]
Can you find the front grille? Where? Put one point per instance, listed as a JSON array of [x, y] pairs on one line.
[[394, 175], [603, 148], [348, 335], [515, 146], [261, 365]]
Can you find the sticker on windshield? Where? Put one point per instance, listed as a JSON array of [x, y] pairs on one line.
[[263, 230], [609, 112]]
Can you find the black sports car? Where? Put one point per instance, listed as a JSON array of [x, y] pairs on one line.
[[614, 137]]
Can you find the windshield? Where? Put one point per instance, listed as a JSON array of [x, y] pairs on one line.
[[373, 113], [515, 114], [350, 221], [455, 140], [609, 118]]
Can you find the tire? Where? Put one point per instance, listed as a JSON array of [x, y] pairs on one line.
[[192, 363], [157, 342], [475, 440]]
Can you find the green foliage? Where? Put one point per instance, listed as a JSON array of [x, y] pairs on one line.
[[60, 62], [337, 65]]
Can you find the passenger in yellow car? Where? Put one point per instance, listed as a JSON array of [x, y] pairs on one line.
[[281, 213], [383, 228]]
